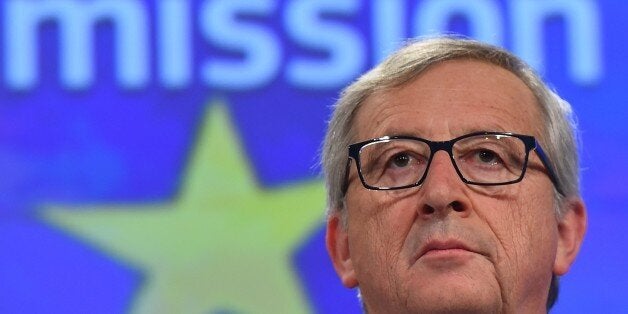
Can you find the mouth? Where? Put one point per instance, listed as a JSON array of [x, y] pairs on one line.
[[444, 249]]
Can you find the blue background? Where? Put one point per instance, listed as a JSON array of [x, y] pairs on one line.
[[111, 141]]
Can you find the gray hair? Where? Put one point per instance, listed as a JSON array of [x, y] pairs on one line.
[[558, 133]]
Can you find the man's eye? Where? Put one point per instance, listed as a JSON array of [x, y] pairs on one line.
[[487, 156], [401, 160]]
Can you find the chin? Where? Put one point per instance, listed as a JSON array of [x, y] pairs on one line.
[[454, 294], [442, 297], [454, 302]]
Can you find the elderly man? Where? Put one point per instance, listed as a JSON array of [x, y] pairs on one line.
[[452, 176]]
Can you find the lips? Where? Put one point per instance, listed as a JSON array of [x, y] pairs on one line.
[[443, 245]]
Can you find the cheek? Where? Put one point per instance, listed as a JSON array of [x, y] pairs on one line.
[[524, 228], [533, 224], [382, 212], [378, 226]]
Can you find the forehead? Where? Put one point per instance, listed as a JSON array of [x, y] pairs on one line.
[[450, 99]]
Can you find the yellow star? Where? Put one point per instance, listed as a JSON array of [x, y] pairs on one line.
[[223, 245]]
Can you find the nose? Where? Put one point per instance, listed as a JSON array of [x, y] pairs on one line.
[[443, 192]]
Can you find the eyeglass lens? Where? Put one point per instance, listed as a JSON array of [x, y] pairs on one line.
[[483, 159]]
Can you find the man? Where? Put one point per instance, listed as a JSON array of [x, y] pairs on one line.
[[452, 178]]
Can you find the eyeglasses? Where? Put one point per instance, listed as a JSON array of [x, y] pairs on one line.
[[482, 158]]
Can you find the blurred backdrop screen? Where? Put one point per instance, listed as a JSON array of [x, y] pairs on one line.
[[162, 156]]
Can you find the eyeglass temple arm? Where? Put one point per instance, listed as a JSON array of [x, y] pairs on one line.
[[345, 182], [548, 166]]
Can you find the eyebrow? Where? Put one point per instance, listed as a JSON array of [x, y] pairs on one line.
[[489, 128]]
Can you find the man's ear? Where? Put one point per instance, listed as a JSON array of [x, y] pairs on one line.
[[571, 229], [337, 241]]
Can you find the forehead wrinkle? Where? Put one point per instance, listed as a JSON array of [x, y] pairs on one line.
[[388, 121], [371, 115], [431, 105]]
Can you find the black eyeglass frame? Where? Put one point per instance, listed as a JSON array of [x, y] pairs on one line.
[[529, 141]]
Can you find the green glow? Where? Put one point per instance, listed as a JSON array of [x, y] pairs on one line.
[[222, 244]]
